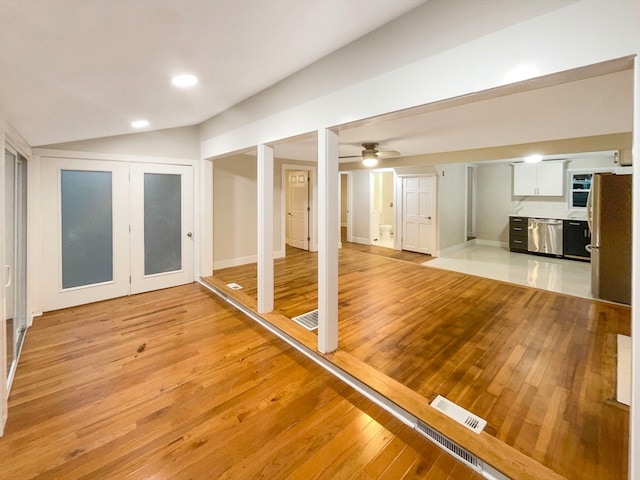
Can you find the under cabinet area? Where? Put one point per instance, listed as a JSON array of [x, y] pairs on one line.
[[518, 234], [575, 238], [538, 179]]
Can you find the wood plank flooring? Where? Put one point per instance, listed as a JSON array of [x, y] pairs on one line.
[[538, 366], [178, 384]]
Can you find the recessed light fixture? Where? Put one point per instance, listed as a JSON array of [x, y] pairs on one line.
[[140, 124], [533, 159], [184, 81]]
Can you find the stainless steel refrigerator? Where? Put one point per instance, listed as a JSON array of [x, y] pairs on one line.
[[609, 216]]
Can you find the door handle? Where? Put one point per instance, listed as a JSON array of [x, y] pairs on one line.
[[189, 234], [8, 277]]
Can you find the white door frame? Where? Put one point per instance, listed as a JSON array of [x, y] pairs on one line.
[[399, 217], [44, 155], [291, 239], [349, 201], [313, 201], [396, 244]]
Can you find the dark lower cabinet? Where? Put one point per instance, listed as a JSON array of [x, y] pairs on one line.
[[518, 234], [575, 238]]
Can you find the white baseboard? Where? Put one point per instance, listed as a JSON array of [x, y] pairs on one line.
[[491, 243], [363, 241], [455, 248], [234, 262]]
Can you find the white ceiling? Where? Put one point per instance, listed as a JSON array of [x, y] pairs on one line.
[[79, 69], [596, 105]]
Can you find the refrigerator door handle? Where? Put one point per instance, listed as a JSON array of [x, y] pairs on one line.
[[590, 210]]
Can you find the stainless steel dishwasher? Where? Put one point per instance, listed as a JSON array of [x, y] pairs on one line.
[[545, 236]]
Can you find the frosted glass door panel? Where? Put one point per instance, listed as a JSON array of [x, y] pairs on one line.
[[87, 228], [85, 220], [162, 236], [162, 223]]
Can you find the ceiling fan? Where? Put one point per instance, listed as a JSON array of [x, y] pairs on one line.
[[370, 154]]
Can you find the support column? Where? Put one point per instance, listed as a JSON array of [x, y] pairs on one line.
[[328, 238], [265, 229]]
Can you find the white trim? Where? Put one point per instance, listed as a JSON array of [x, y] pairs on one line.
[[634, 420], [313, 202], [265, 228], [455, 248], [114, 157], [361, 240], [234, 262], [205, 208], [491, 243]]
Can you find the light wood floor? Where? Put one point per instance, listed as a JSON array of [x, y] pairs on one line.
[[538, 366], [178, 384]]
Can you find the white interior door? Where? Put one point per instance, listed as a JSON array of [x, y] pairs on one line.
[[85, 222], [418, 219], [161, 226], [298, 214]]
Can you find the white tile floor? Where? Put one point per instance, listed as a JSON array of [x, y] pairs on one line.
[[547, 273]]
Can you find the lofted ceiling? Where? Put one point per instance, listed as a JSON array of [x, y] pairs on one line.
[[81, 69]]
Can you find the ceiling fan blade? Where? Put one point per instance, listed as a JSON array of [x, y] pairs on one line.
[[351, 156], [388, 154]]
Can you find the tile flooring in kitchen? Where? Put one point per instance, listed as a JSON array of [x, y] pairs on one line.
[[548, 273]]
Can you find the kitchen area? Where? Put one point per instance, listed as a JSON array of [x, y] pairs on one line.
[[597, 228]]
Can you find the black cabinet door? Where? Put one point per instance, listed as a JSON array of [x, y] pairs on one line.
[[575, 238]]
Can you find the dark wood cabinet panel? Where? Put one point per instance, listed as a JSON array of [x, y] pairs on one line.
[[518, 234], [575, 237]]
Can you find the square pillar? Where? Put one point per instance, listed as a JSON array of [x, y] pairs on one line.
[[265, 229], [328, 238]]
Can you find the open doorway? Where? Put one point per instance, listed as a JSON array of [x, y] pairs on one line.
[[382, 208]]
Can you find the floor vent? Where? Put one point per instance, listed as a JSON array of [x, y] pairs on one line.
[[459, 414], [234, 286], [308, 320], [453, 448]]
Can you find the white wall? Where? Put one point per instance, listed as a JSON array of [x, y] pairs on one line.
[[457, 69], [180, 143], [452, 186], [235, 214], [360, 214]]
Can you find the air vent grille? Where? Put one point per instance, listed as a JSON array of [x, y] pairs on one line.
[[453, 448], [308, 320], [459, 414]]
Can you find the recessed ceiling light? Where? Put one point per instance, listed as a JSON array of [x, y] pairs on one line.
[[184, 81], [533, 159], [140, 124]]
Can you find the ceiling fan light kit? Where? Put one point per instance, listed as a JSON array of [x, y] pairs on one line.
[[370, 154]]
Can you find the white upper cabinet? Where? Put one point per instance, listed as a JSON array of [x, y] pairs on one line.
[[544, 179]]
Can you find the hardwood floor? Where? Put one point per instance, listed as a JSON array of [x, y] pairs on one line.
[[538, 366], [178, 384]]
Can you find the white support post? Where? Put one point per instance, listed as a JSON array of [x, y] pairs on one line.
[[265, 229], [328, 238]]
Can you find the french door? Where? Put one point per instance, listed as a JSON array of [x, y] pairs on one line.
[[114, 228], [161, 226]]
